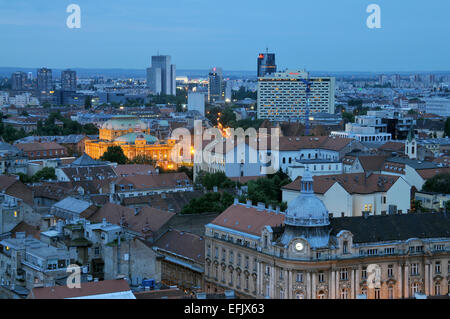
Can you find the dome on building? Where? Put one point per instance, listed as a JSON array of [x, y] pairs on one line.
[[124, 122], [306, 209], [132, 137]]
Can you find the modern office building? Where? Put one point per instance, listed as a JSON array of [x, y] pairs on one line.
[[282, 95], [68, 80], [44, 80], [161, 76], [266, 64], [18, 81], [216, 85], [196, 102], [438, 106]]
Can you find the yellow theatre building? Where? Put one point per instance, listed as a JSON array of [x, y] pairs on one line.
[[133, 136]]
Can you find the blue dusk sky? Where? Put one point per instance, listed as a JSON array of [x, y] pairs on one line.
[[320, 35]]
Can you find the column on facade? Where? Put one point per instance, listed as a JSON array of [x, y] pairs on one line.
[[352, 285], [399, 283], [333, 284], [313, 286], [259, 279], [427, 279], [286, 285], [405, 283], [289, 285], [272, 283], [308, 285], [338, 294], [357, 272]]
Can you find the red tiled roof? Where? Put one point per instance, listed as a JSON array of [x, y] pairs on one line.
[[183, 244], [147, 220], [248, 219], [30, 147], [356, 183], [154, 181], [87, 289], [134, 169], [431, 172]]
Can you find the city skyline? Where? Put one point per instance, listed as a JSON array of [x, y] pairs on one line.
[[198, 36]]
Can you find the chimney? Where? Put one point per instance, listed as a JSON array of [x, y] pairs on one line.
[[261, 206], [104, 222], [236, 201], [249, 203], [277, 211]]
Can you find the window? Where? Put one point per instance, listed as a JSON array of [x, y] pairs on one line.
[[389, 251], [231, 257], [281, 274], [437, 267], [217, 252], [223, 254], [281, 293], [239, 259], [254, 264], [372, 252], [344, 274], [364, 272], [437, 289], [97, 250], [390, 271], [321, 277], [246, 262], [345, 247], [377, 293], [414, 288], [344, 293], [267, 291], [414, 269], [391, 292], [299, 276], [438, 247], [419, 249], [208, 251]]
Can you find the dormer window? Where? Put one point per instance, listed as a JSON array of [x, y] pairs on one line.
[[345, 247]]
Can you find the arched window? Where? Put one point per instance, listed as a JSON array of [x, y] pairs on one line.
[[321, 295], [414, 288], [437, 289], [299, 295]]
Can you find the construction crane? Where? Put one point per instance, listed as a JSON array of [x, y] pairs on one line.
[[307, 91]]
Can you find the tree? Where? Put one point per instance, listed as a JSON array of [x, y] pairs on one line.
[[47, 173], [209, 203], [219, 179], [142, 159], [447, 127], [114, 154], [87, 102], [227, 117], [439, 183], [348, 117]]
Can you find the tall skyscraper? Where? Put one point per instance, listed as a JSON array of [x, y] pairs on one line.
[[44, 80], [282, 95], [266, 64], [18, 81], [161, 76], [68, 80], [216, 86]]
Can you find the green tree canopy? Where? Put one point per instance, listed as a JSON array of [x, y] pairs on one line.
[[114, 154], [438, 184], [447, 127], [209, 203]]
